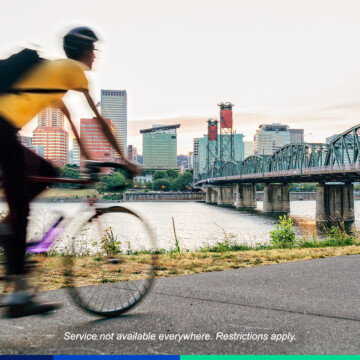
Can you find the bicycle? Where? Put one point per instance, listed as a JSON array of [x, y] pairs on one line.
[[98, 273]]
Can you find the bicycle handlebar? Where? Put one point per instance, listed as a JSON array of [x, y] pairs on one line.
[[43, 179]]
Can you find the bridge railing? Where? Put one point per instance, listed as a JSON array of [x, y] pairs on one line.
[[326, 169]]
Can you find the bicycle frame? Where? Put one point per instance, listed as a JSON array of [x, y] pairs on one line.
[[48, 240]]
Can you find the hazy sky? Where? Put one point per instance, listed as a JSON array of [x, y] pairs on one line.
[[296, 62]]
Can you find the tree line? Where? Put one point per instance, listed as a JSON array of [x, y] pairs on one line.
[[163, 180]]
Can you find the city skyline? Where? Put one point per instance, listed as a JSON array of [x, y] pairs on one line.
[[275, 60]]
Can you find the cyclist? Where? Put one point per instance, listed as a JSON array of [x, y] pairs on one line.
[[17, 162]]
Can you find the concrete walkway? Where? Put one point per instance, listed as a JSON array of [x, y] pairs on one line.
[[307, 307]]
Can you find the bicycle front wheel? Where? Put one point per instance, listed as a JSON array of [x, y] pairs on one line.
[[111, 266]]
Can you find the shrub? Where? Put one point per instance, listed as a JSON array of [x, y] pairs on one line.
[[109, 242], [338, 237], [283, 236]]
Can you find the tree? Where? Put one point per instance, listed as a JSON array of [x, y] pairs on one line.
[[123, 172], [113, 183], [74, 166], [162, 184], [172, 174], [68, 171], [149, 185], [160, 174], [183, 182], [136, 185]]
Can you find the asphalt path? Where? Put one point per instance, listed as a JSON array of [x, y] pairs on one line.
[[306, 307]]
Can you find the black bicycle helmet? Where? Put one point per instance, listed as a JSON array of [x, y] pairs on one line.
[[77, 40]]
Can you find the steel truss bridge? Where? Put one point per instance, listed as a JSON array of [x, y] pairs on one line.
[[338, 161]]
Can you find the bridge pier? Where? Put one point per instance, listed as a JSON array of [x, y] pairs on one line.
[[335, 204], [208, 195], [216, 195], [211, 195], [224, 195], [276, 198], [245, 196], [227, 195]]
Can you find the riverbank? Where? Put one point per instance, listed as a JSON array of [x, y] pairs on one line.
[[176, 264]]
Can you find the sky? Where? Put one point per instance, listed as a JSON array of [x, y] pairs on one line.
[[289, 61]]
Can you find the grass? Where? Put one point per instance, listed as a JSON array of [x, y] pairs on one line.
[[93, 270], [68, 193]]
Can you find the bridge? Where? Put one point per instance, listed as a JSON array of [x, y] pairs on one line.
[[333, 166]]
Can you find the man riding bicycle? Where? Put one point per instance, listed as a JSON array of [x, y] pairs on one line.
[[18, 163]]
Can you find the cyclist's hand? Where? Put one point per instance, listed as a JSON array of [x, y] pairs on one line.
[[133, 169]]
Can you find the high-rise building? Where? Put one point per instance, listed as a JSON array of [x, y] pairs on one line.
[[51, 135], [248, 149], [70, 157], [296, 136], [76, 153], [160, 147], [39, 150], [239, 149], [94, 141], [196, 159], [27, 141], [114, 107], [50, 117], [132, 153], [190, 160], [270, 138]]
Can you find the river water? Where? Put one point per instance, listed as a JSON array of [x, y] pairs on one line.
[[197, 224]]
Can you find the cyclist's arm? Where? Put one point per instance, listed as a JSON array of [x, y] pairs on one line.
[[60, 105]]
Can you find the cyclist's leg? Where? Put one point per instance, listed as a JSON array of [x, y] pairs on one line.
[[12, 162], [18, 193], [37, 166]]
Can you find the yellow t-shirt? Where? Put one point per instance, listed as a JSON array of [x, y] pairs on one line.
[[66, 74]]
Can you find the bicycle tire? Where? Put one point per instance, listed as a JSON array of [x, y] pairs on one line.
[[117, 290]]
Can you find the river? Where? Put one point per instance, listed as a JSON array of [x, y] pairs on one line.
[[197, 224]]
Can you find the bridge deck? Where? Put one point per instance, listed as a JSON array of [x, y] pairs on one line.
[[331, 173]]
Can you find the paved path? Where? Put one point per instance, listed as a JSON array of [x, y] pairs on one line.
[[315, 301]]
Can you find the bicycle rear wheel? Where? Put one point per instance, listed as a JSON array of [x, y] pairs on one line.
[[108, 271]]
